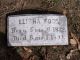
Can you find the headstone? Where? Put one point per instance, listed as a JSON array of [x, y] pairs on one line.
[[37, 30]]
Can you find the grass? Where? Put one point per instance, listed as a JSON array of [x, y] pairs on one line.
[[55, 1]]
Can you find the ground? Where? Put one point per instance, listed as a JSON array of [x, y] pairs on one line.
[[70, 8]]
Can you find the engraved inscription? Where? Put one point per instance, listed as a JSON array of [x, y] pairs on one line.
[[37, 30]]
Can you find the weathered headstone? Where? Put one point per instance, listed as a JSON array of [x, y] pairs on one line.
[[37, 29]]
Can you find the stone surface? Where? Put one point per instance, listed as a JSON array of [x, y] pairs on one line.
[[34, 30]]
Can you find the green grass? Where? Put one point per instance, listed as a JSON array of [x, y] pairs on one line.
[[55, 1]]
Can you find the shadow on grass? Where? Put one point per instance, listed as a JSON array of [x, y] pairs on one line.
[[33, 11], [7, 53]]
